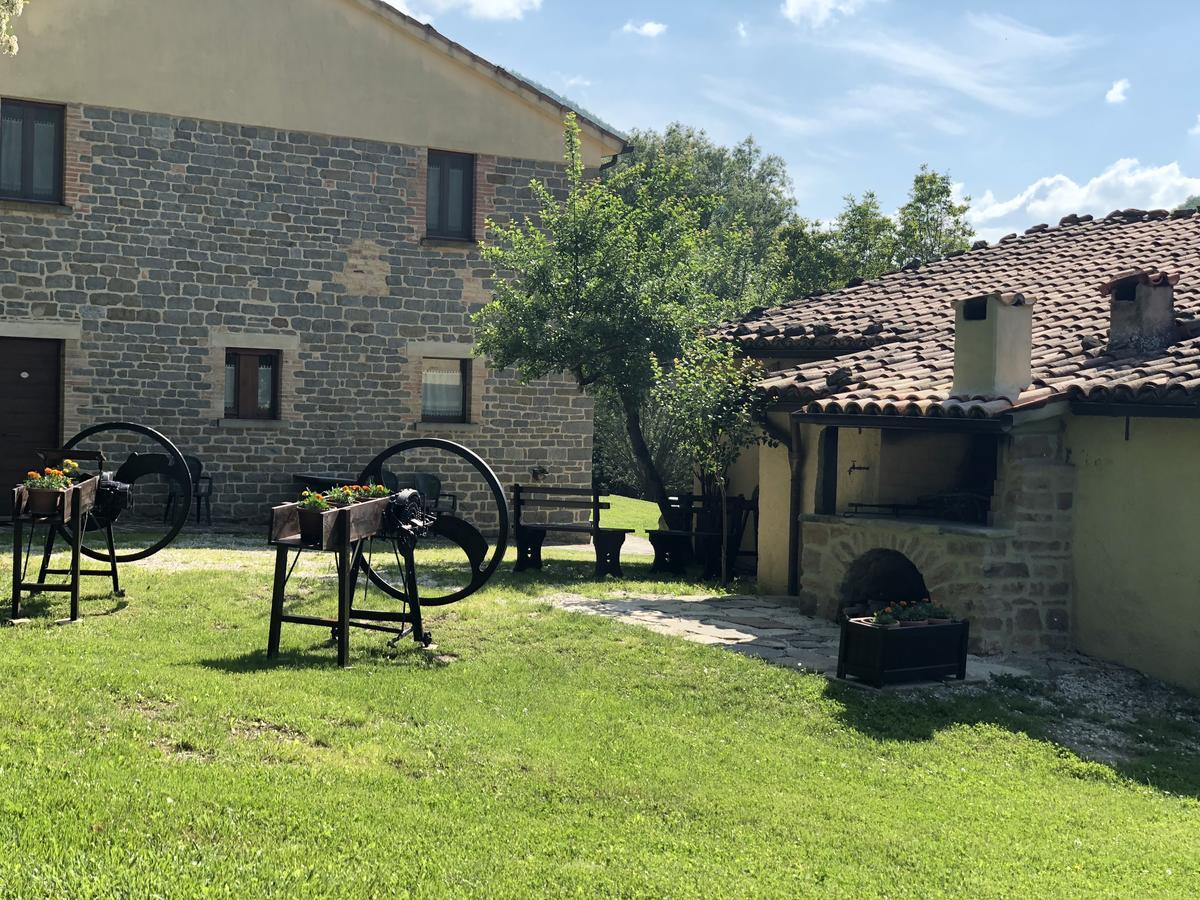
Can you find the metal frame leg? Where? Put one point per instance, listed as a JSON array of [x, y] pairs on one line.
[[281, 559], [414, 601], [47, 552], [17, 527], [76, 547], [112, 560], [344, 599]]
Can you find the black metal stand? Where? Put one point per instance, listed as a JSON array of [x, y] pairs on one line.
[[111, 572], [19, 558], [348, 557]]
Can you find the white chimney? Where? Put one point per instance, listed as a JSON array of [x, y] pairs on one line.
[[1141, 311], [993, 346]]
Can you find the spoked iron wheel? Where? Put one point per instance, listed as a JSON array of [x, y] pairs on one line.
[[161, 495], [404, 465]]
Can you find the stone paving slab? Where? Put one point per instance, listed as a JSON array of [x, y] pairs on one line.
[[766, 628]]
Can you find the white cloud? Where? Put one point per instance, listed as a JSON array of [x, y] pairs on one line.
[[1124, 184], [816, 13], [425, 10], [997, 61], [742, 31], [1119, 91], [647, 29], [576, 81], [868, 108], [1195, 129]]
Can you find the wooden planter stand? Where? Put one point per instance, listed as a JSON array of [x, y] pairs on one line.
[[77, 501], [882, 656], [345, 533]]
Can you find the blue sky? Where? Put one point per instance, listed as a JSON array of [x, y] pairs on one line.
[[1036, 109]]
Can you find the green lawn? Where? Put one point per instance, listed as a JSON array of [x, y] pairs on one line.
[[153, 750], [626, 512]]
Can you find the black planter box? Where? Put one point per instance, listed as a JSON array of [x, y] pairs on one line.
[[882, 656]]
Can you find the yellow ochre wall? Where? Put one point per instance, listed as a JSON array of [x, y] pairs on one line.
[[336, 67], [772, 469], [1137, 544], [773, 525]]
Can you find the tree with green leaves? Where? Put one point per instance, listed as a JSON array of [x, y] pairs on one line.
[[750, 190], [745, 195], [932, 224], [807, 260], [811, 257], [601, 283], [714, 411], [866, 238], [9, 10]]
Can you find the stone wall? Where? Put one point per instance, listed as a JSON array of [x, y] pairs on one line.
[[1013, 579], [180, 237]]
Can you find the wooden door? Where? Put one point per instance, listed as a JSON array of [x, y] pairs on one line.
[[30, 408]]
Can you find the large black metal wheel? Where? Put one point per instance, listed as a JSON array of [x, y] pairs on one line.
[[385, 570], [137, 453]]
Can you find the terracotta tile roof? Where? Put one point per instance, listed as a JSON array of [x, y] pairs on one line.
[[894, 337]]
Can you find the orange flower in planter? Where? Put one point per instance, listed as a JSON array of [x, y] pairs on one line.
[[51, 479]]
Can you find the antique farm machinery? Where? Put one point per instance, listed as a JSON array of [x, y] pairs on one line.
[[120, 465], [375, 544]]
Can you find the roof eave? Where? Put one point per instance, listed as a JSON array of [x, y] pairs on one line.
[[945, 424]]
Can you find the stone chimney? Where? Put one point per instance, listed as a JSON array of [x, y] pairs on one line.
[[993, 346], [1141, 311]]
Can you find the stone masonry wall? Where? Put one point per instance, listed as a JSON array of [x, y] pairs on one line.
[[180, 237], [1013, 580]]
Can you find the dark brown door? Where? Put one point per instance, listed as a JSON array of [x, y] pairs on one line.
[[30, 407]]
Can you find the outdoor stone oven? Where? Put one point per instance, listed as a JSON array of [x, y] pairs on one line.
[[1011, 577], [878, 578]]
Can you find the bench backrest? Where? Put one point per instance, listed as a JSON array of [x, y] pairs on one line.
[[538, 497]]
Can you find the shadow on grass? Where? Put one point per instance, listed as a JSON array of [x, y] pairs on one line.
[[1024, 706], [407, 654], [46, 605]]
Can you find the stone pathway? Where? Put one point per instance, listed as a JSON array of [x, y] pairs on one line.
[[767, 628], [635, 545]]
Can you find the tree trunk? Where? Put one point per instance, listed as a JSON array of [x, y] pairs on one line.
[[721, 486], [648, 471]]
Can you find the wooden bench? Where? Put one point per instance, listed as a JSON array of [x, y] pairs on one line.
[[531, 535], [675, 548], [701, 540]]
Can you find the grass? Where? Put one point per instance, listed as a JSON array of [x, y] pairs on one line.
[[153, 750], [627, 512]]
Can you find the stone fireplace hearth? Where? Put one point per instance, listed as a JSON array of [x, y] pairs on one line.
[[1013, 580]]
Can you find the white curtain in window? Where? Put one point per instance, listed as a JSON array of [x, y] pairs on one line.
[[442, 389]]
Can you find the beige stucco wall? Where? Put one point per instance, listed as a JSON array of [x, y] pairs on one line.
[[1137, 544], [916, 464], [337, 67], [773, 524], [858, 466]]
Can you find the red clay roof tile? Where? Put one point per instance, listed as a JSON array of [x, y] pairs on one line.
[[895, 335]]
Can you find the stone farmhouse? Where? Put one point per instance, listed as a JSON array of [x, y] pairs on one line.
[[1020, 421], [254, 226]]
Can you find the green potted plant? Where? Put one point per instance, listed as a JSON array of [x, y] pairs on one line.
[[885, 618], [310, 507], [340, 496], [911, 613], [939, 615], [376, 491], [47, 489]]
